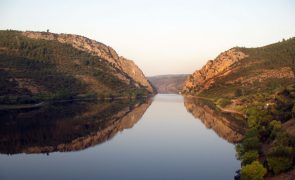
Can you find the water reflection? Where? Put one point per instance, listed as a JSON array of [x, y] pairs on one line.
[[66, 126], [228, 126]]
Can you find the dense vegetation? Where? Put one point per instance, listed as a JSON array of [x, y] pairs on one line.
[[261, 87], [266, 143], [34, 70]]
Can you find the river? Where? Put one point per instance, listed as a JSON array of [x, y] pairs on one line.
[[166, 137]]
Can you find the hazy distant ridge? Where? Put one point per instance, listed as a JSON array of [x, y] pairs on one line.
[[168, 83]]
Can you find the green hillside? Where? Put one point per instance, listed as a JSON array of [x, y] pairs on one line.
[[260, 84], [263, 70], [33, 70]]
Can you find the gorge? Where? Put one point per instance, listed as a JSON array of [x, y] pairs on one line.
[[77, 100]]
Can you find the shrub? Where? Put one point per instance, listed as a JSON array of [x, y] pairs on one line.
[[253, 132], [252, 143], [275, 129], [249, 157], [222, 102], [239, 151], [283, 151], [275, 125], [280, 158], [253, 171], [279, 164]]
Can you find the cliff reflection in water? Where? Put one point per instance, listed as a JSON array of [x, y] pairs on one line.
[[226, 125], [67, 126]]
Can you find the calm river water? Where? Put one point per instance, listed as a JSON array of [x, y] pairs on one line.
[[167, 137]]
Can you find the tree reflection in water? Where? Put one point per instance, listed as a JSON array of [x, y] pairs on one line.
[[68, 126], [228, 126]]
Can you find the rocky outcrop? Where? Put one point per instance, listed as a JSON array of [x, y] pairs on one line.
[[246, 70], [204, 78], [225, 125], [97, 49], [168, 84]]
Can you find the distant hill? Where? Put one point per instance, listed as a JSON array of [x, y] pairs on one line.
[[168, 83], [242, 71], [36, 66]]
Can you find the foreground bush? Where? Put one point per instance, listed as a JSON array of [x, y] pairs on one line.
[[279, 164], [280, 159], [249, 157], [253, 171]]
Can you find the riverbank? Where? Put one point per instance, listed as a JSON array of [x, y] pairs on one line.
[[269, 143], [222, 109], [43, 103]]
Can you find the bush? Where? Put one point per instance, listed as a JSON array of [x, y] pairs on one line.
[[257, 116], [279, 164], [223, 102], [280, 158], [253, 171], [252, 143], [283, 151], [253, 132], [275, 129], [282, 138], [249, 157], [239, 151], [275, 125]]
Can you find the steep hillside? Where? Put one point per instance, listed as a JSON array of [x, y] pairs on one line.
[[258, 83], [242, 71], [37, 65], [168, 83]]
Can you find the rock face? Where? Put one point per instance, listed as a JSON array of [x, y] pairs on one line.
[[97, 49], [248, 70], [225, 125], [204, 78], [168, 84]]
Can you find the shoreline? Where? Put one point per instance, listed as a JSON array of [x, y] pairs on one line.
[[43, 103], [217, 106]]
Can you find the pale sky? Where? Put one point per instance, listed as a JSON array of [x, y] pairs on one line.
[[160, 36]]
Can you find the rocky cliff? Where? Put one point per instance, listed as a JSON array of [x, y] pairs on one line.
[[97, 49], [204, 78], [38, 66], [246, 70], [168, 84]]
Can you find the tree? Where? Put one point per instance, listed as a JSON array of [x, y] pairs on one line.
[[253, 171], [279, 164], [280, 158], [249, 157]]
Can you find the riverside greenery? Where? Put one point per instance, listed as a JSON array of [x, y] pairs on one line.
[[266, 143]]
